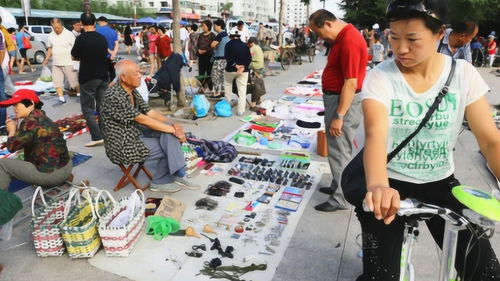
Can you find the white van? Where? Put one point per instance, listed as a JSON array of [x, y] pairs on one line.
[[40, 32]]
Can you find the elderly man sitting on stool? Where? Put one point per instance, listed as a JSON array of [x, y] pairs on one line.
[[124, 114]]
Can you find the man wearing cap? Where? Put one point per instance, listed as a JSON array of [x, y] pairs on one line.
[[238, 59], [46, 159], [242, 30], [342, 79], [492, 49]]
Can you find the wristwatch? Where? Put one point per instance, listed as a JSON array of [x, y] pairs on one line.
[[338, 116]]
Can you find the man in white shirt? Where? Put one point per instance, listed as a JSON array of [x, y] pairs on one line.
[[59, 45], [242, 30], [184, 35]]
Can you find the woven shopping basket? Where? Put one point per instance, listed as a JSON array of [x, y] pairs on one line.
[[79, 228], [46, 233], [120, 240]]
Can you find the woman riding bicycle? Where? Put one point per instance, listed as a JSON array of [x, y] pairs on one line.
[[396, 96]]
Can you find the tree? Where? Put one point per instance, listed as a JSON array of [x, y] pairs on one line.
[[176, 17], [364, 12], [280, 22], [484, 12]]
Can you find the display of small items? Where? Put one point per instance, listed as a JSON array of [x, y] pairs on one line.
[[259, 169], [295, 160], [191, 157]]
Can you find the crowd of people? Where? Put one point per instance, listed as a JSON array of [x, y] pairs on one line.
[[412, 60]]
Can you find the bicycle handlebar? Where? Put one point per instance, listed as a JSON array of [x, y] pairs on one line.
[[411, 206]]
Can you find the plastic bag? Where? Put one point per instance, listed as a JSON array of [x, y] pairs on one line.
[[223, 109], [46, 75], [200, 106]]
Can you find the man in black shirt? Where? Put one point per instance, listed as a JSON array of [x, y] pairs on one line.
[[91, 49], [238, 57]]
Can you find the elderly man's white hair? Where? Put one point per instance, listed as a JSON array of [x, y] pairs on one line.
[[122, 67]]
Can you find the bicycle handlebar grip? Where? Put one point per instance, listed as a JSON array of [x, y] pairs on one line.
[[404, 204]]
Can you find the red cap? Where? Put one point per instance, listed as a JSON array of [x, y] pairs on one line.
[[19, 95]]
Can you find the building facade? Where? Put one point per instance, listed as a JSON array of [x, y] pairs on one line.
[[295, 13]]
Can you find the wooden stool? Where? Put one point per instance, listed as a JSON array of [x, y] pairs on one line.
[[128, 177]]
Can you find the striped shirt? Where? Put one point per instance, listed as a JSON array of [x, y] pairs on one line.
[[463, 52]]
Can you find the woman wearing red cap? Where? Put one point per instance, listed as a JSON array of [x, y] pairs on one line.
[[47, 161]]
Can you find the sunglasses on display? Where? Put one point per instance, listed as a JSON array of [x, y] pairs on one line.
[[401, 6]]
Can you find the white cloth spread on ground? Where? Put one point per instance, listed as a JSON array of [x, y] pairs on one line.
[[429, 155]]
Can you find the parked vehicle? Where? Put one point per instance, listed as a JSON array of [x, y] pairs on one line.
[[40, 32]]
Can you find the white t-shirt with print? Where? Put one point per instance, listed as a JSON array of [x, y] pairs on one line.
[[61, 47], [429, 155]]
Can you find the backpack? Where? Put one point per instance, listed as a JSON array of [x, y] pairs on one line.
[[223, 109], [200, 106]]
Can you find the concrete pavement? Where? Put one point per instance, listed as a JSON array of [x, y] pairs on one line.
[[324, 244]]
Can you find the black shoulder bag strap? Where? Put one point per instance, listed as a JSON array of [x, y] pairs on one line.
[[429, 113], [441, 45]]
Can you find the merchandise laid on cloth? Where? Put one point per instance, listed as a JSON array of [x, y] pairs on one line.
[[309, 86], [236, 227], [290, 123]]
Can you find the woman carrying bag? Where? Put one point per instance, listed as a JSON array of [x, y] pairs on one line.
[[23, 44], [397, 95]]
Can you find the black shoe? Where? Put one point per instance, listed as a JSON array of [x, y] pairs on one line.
[[327, 207], [497, 106], [326, 190]]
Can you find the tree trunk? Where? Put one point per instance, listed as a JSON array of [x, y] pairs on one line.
[[280, 28], [86, 6], [176, 17]]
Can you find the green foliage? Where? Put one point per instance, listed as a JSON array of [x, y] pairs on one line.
[[227, 7], [364, 12], [485, 12], [97, 6]]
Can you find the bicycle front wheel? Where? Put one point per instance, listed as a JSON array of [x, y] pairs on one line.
[[311, 53], [286, 60]]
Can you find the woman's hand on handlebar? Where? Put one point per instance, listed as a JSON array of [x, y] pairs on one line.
[[384, 201]]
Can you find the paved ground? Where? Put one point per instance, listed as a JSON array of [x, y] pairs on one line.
[[324, 244]]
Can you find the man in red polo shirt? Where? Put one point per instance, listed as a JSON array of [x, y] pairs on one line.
[[342, 79]]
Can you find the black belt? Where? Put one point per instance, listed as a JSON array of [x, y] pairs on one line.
[[331, 93]]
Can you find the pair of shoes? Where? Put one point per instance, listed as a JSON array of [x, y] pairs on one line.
[[326, 190], [327, 207], [168, 187], [187, 183], [94, 143]]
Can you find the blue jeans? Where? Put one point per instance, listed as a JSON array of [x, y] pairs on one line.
[[3, 97]]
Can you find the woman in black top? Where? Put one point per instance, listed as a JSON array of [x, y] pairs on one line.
[[127, 38], [205, 50]]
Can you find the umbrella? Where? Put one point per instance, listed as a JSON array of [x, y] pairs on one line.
[[147, 20], [8, 20]]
